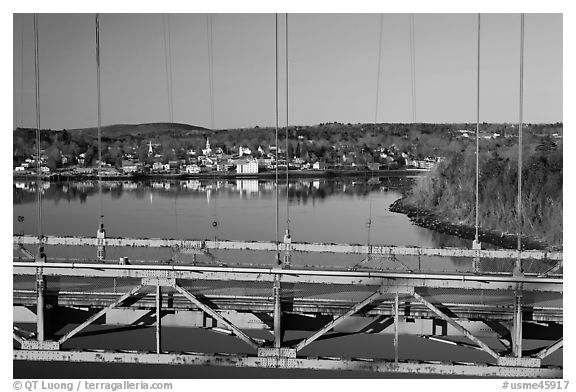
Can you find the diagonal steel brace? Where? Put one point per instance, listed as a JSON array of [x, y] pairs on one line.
[[338, 320], [550, 349], [460, 328], [217, 316], [99, 314]]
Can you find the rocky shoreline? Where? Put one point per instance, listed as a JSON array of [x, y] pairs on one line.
[[429, 220]]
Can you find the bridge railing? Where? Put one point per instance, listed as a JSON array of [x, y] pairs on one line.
[[244, 253]]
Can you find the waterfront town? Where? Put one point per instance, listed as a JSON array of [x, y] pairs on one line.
[[250, 152], [208, 160]]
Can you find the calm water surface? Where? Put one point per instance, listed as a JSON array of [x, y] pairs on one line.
[[320, 210]]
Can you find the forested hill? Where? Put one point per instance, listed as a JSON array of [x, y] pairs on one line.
[[328, 142], [448, 191], [143, 130]]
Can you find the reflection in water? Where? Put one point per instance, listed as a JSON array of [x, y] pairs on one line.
[[243, 208], [321, 210], [302, 189]]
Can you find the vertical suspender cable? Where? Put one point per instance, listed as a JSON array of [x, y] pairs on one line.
[[22, 75], [168, 64], [521, 105], [413, 66], [369, 223], [413, 95], [378, 70], [477, 131], [40, 279], [276, 135], [517, 325], [37, 101], [210, 42], [169, 94], [21, 110], [100, 233], [210, 67], [98, 98], [287, 155]]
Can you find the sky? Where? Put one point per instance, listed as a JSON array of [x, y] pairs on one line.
[[332, 76]]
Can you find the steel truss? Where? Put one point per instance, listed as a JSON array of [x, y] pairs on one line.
[[274, 354]]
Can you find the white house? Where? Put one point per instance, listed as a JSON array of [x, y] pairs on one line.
[[247, 166], [129, 166], [192, 169], [319, 165], [244, 151]]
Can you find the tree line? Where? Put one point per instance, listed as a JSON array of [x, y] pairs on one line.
[[449, 190]]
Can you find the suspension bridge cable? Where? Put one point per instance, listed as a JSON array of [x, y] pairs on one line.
[[521, 106], [413, 65], [98, 99], [38, 150], [276, 134], [413, 96], [21, 111], [369, 223], [209, 29], [210, 49], [168, 64], [477, 131], [169, 89], [378, 69], [287, 122]]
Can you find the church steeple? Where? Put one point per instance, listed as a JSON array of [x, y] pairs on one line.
[[207, 151], [150, 150]]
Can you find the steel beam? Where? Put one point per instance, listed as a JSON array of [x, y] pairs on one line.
[[25, 251], [317, 275], [396, 327], [99, 314], [277, 312], [517, 324], [217, 316], [550, 349], [552, 270], [40, 288], [18, 338], [158, 318], [339, 364], [338, 320], [293, 246], [460, 328]]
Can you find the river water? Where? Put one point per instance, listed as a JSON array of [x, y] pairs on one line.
[[348, 210]]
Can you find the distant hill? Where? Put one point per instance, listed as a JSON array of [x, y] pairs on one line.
[[150, 129]]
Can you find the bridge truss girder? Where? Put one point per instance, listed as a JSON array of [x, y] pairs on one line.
[[287, 357]]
